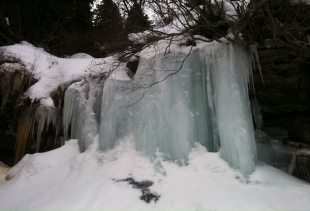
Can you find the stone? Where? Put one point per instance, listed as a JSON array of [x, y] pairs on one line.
[[147, 196], [284, 98], [299, 129]]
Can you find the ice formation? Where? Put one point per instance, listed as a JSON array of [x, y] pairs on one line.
[[33, 120], [44, 116], [82, 110], [205, 101], [255, 61], [257, 114]]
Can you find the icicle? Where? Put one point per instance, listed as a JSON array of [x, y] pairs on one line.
[[208, 94], [45, 115], [40, 117], [69, 102], [255, 60], [257, 114], [82, 110], [229, 66]]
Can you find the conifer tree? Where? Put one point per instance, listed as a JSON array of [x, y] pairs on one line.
[[52, 24], [136, 21], [109, 30]]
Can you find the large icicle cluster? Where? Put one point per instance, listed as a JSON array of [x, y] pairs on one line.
[[205, 102], [230, 69], [82, 110], [44, 116], [34, 120]]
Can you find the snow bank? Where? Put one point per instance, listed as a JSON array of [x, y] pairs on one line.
[[64, 179], [53, 72]]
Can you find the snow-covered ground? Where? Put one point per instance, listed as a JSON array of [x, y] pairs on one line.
[[64, 179]]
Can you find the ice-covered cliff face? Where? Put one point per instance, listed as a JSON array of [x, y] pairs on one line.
[[205, 101]]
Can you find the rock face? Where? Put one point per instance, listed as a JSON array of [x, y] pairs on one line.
[[299, 129], [285, 90], [302, 166], [25, 126], [302, 161], [284, 98], [14, 80]]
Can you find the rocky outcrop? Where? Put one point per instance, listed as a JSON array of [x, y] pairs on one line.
[[15, 80], [24, 128], [284, 92], [284, 98], [302, 160], [284, 89], [3, 172]]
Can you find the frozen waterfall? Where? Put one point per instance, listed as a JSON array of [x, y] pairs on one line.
[[205, 102]]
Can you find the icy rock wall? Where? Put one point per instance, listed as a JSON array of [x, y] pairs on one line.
[[231, 69], [205, 101], [33, 120], [43, 118], [81, 115]]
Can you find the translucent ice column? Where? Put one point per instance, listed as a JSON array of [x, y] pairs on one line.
[[82, 111], [231, 68]]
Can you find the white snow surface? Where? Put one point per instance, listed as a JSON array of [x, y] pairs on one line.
[[80, 56], [47, 102], [53, 72], [64, 179]]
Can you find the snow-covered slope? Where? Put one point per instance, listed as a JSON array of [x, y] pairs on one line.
[[64, 179]]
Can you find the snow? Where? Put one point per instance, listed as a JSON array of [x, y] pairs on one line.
[[54, 72], [47, 102], [44, 115], [3, 164], [80, 56], [64, 179]]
